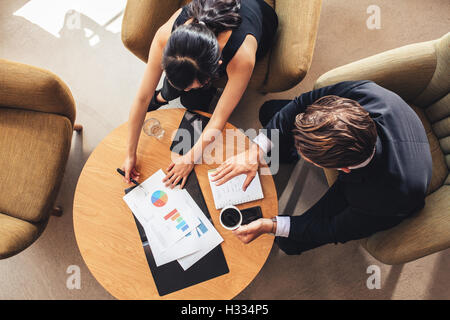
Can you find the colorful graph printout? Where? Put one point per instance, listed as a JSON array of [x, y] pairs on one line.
[[159, 198]]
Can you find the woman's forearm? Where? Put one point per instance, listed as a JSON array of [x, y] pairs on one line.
[[139, 107], [227, 103], [136, 119], [140, 104], [209, 135], [150, 79]]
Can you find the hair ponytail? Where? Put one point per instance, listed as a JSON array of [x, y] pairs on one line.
[[217, 15]]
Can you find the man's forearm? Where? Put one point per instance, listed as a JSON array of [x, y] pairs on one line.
[[279, 226]]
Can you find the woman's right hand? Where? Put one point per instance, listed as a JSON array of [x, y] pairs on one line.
[[129, 167]]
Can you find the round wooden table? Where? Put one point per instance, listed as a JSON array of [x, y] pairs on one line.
[[106, 232]]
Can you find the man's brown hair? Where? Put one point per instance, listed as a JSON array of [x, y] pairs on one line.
[[335, 132]]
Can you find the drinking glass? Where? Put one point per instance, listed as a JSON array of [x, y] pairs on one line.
[[152, 127]]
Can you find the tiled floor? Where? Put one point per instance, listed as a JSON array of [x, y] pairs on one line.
[[84, 48]]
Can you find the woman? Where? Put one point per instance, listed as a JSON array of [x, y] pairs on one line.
[[200, 42]]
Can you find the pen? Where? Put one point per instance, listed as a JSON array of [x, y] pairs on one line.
[[123, 174], [132, 180]]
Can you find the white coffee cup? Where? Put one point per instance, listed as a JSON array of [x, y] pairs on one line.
[[230, 220]]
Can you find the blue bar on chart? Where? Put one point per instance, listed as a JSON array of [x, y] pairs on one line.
[[202, 227], [181, 224]]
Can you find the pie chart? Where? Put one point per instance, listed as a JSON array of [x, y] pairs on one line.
[[159, 198]]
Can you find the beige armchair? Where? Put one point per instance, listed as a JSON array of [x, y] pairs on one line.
[[420, 74], [37, 114], [281, 69]]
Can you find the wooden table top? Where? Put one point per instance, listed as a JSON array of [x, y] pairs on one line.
[[106, 232]]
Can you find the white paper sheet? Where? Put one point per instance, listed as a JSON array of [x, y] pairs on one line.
[[182, 248], [205, 232], [159, 211], [158, 217]]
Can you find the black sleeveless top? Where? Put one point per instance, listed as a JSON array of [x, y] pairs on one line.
[[258, 19]]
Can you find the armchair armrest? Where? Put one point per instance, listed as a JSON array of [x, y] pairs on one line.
[[420, 235], [27, 87], [141, 20], [294, 46], [406, 70]]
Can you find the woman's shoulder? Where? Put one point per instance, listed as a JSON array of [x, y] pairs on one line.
[[164, 32], [247, 50], [245, 56]]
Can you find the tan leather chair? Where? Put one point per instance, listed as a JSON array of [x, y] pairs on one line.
[[420, 74], [37, 114], [281, 69]]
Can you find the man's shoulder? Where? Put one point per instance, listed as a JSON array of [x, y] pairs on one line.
[[384, 192], [361, 90]]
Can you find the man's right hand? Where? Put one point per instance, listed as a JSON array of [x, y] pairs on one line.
[[129, 167], [246, 162]]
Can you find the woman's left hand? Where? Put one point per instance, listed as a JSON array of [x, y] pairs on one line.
[[178, 170]]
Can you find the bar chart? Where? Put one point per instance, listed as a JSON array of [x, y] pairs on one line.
[[176, 217]]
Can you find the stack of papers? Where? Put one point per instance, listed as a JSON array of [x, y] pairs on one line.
[[176, 228]]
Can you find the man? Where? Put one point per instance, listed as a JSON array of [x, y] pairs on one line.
[[370, 135]]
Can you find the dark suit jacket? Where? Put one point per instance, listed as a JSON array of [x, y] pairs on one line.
[[391, 187]]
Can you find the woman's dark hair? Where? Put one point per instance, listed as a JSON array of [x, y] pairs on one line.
[[192, 51], [217, 15], [335, 132]]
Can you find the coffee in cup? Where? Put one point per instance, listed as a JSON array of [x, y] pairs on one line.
[[230, 218]]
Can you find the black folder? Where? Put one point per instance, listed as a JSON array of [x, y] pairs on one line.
[[191, 127], [171, 277]]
